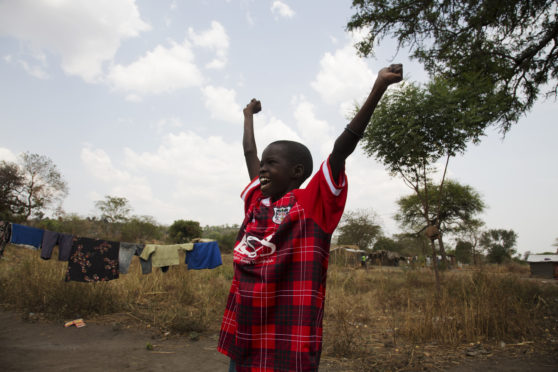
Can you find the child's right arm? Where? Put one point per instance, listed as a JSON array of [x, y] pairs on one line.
[[248, 139]]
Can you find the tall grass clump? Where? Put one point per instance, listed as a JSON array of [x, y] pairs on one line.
[[480, 306], [398, 307]]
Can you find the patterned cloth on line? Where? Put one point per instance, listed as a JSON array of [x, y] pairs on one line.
[[205, 255], [64, 242], [273, 317], [93, 260], [27, 235]]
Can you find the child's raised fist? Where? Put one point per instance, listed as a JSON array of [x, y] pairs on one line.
[[253, 107], [390, 75]]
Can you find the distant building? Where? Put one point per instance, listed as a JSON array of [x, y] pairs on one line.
[[543, 265], [348, 255]]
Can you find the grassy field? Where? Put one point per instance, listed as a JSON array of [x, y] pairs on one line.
[[376, 317]]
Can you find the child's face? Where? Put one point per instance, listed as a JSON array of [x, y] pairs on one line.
[[277, 174]]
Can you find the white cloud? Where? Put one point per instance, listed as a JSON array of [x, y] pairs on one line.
[[282, 9], [316, 132], [344, 78], [200, 172], [270, 129], [214, 39], [34, 70], [250, 19], [119, 182], [162, 70], [7, 155], [172, 122], [83, 33], [221, 103], [36, 67], [100, 166]]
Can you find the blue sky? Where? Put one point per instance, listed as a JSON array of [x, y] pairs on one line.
[[143, 99]]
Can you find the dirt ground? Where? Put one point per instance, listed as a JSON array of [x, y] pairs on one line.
[[103, 345]]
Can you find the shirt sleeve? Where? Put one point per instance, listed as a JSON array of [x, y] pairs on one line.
[[251, 193], [324, 197]]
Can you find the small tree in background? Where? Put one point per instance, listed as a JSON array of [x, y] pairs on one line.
[[182, 231], [463, 251], [114, 209], [11, 183], [456, 207], [471, 232], [225, 235], [384, 243], [43, 185], [360, 228], [499, 244], [141, 229]]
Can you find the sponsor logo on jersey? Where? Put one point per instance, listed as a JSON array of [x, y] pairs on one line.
[[250, 249]]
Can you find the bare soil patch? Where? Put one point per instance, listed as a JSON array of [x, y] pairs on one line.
[[115, 344]]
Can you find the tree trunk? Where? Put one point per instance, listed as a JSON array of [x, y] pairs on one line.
[[435, 263], [442, 250]]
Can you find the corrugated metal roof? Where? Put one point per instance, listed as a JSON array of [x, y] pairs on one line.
[[542, 258]]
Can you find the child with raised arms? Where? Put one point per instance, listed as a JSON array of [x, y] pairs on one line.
[[273, 317]]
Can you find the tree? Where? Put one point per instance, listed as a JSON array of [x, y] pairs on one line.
[[359, 227], [384, 243], [463, 251], [43, 185], [182, 231], [470, 232], [499, 244], [451, 207], [509, 45], [114, 209], [224, 234], [11, 183], [140, 229], [454, 207], [414, 127]]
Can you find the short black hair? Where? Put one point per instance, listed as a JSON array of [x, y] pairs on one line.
[[297, 153]]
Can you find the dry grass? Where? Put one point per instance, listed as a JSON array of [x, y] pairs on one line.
[[376, 313], [179, 300]]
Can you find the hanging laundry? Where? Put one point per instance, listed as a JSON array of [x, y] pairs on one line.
[[27, 235], [5, 234], [93, 260], [164, 255], [125, 254], [204, 256], [64, 242], [146, 266]]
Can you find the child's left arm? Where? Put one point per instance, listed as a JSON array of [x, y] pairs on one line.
[[347, 141]]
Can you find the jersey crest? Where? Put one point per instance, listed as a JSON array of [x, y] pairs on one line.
[[280, 214]]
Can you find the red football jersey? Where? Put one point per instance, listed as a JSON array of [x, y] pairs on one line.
[[274, 312]]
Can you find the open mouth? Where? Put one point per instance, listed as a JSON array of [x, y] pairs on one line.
[[264, 183]]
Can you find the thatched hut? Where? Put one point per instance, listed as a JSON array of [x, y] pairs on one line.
[[346, 255], [385, 258]]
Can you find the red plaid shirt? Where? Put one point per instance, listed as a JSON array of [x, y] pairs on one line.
[[273, 317]]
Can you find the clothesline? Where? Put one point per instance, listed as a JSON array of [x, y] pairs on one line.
[[93, 260]]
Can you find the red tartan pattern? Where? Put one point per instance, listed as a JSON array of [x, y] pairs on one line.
[[273, 317]]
